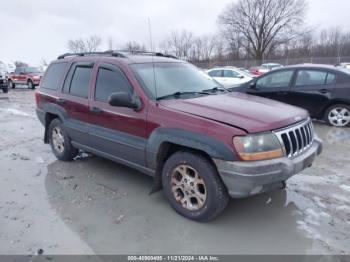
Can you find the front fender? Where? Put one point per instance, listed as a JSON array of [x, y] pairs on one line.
[[211, 146]]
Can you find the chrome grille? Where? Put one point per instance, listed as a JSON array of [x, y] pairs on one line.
[[297, 138]]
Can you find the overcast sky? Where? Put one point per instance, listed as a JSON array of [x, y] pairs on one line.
[[32, 30]]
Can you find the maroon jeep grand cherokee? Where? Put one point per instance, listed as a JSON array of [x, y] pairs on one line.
[[167, 119]]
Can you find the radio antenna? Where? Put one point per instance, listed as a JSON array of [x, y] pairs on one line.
[[152, 50]]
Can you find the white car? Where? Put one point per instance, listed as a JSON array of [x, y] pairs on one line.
[[229, 76]]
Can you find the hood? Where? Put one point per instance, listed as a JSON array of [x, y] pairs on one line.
[[251, 113]]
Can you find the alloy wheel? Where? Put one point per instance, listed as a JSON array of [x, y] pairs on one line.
[[58, 139], [339, 116], [188, 187]]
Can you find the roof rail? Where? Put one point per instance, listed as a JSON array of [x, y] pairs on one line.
[[117, 53], [140, 52], [108, 52]]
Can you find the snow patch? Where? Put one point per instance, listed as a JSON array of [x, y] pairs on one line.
[[14, 111], [345, 188]]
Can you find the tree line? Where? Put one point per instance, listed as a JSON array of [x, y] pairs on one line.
[[247, 29]]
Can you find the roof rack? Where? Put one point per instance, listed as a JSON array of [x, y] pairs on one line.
[[108, 52], [117, 53]]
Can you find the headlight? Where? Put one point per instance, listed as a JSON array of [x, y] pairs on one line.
[[258, 147]]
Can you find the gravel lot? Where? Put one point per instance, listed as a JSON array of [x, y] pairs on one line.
[[95, 206]]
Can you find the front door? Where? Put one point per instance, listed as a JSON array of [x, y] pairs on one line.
[[117, 131], [274, 85]]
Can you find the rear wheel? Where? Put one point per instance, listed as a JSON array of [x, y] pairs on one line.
[[30, 84], [60, 142], [193, 186], [338, 115], [5, 89]]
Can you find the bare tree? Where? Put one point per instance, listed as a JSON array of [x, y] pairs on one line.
[[80, 45], [20, 64], [134, 46], [263, 25], [179, 43]]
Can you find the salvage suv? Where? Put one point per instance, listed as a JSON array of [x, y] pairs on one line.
[[167, 119]]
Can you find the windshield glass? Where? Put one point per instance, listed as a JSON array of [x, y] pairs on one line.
[[244, 73], [33, 70], [172, 77]]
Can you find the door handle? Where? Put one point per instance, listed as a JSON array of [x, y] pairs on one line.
[[61, 100], [323, 91], [96, 110]]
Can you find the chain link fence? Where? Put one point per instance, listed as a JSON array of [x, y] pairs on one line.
[[286, 61]]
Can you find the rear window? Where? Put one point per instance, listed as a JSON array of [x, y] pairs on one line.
[[53, 76]]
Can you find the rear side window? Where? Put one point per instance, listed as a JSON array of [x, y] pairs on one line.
[[53, 76], [77, 80], [314, 77], [215, 73], [110, 81]]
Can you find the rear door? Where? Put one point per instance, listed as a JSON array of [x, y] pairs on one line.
[[312, 90], [230, 78], [117, 131], [74, 99], [217, 75], [274, 85]]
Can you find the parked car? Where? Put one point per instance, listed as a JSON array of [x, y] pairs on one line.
[[344, 65], [229, 76], [264, 68], [29, 76], [167, 119], [323, 90]]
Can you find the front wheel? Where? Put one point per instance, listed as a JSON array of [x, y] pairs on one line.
[[60, 142], [193, 187], [5, 89], [338, 115], [11, 84]]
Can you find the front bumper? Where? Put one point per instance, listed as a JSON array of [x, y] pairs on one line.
[[243, 179]]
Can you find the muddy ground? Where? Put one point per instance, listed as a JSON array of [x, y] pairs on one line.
[[95, 206]]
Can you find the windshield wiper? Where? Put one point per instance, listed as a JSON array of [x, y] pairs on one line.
[[215, 89], [179, 93]]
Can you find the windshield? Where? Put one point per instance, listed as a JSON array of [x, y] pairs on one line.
[[33, 70], [244, 73], [169, 78]]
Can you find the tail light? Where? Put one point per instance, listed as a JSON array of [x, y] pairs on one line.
[[37, 97]]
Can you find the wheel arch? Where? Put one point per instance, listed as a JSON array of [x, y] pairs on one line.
[[52, 111], [163, 142], [332, 103]]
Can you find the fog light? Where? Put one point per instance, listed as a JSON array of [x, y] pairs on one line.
[[256, 190]]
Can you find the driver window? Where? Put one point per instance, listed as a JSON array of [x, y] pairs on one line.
[[108, 82], [277, 79]]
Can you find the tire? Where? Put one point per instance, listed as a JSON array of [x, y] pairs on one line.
[[30, 84], [60, 142], [5, 89], [209, 196], [11, 84], [338, 115]]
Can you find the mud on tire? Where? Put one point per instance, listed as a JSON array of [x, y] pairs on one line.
[[212, 196]]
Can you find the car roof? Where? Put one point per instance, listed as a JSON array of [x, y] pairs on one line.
[[128, 59], [312, 66]]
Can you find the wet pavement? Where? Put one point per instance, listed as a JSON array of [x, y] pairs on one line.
[[95, 206]]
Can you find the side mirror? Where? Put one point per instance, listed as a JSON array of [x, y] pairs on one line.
[[240, 76], [253, 85], [125, 99]]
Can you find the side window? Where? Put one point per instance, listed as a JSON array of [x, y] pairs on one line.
[[79, 85], [310, 78], [230, 73], [53, 76], [110, 81], [17, 71], [215, 73], [277, 79]]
